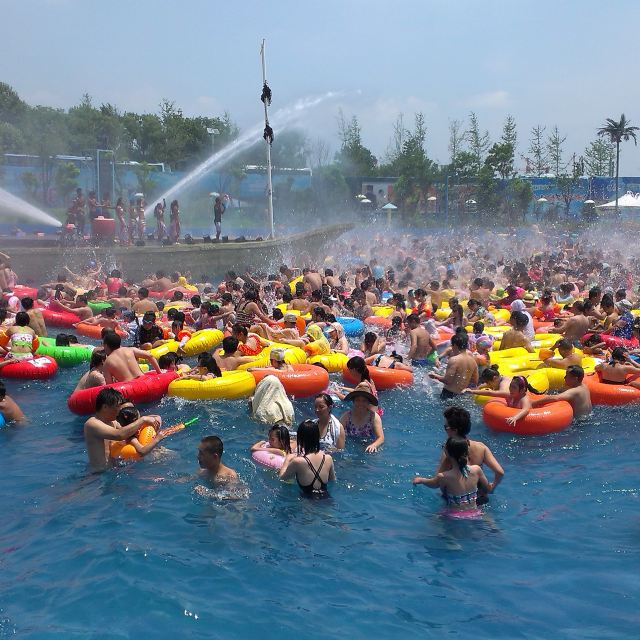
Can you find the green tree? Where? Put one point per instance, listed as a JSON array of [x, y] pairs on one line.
[[555, 150], [478, 141], [510, 132], [500, 159], [520, 192], [617, 132], [537, 150], [599, 158], [488, 191], [66, 179], [463, 165], [144, 175], [12, 108], [456, 140], [11, 138], [354, 158]]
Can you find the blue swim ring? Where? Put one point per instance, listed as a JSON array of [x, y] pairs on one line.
[[352, 326]]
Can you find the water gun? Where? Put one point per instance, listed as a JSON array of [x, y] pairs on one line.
[[179, 427]]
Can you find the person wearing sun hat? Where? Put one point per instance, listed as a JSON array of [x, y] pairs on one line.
[[361, 421]]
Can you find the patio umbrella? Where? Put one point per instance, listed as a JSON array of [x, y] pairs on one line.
[[629, 199], [389, 207]]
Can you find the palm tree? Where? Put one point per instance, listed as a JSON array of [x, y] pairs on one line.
[[617, 132]]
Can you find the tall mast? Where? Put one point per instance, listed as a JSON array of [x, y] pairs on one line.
[[268, 136]]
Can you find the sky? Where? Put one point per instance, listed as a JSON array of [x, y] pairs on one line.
[[547, 62]]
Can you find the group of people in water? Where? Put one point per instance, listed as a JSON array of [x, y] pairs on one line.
[[583, 292]]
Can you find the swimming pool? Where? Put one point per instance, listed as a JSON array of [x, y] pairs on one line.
[[136, 553]]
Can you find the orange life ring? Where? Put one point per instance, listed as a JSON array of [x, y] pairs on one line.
[[610, 394], [538, 325], [301, 325], [304, 381], [382, 377], [378, 321], [122, 449], [550, 418], [95, 330]]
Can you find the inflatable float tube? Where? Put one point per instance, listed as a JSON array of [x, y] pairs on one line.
[[283, 308], [294, 282], [333, 362], [352, 326], [95, 330], [382, 310], [292, 355], [232, 385], [149, 387], [2, 421], [382, 322], [65, 356], [305, 381], [39, 368], [615, 341], [122, 450], [267, 459], [202, 341], [99, 306], [610, 394], [22, 291], [170, 346], [59, 319], [550, 418], [382, 377], [467, 514]]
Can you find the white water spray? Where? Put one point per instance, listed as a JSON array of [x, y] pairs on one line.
[[12, 205], [280, 120]]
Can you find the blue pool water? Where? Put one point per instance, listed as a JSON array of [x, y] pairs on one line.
[[136, 553]]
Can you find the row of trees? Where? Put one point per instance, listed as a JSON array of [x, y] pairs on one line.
[[478, 169]]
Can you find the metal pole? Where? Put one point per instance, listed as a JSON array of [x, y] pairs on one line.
[[98, 173], [266, 122]]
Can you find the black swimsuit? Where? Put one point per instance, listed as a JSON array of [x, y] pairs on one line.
[[310, 490]]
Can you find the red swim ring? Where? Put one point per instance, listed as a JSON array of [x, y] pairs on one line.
[[382, 377], [39, 368], [149, 387], [610, 394], [61, 319], [550, 418], [304, 381], [22, 291]]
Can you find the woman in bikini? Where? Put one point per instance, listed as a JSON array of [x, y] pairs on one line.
[[361, 421], [618, 368]]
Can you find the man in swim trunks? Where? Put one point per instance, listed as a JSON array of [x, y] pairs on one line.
[[576, 393], [515, 336], [231, 358], [457, 422], [210, 452], [143, 304], [422, 350], [461, 371], [102, 428], [36, 321], [576, 326], [121, 364], [568, 356]]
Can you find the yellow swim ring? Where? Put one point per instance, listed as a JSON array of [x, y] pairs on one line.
[[231, 386]]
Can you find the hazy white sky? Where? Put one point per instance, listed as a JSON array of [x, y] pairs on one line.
[[570, 63]]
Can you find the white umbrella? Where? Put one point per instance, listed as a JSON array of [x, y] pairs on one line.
[[389, 206], [629, 199], [365, 201]]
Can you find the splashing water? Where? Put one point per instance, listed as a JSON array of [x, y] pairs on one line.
[[10, 204], [280, 119]]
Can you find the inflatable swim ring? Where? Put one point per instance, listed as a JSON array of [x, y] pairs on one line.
[[294, 282], [382, 322], [22, 291], [382, 311], [38, 368], [550, 418], [382, 377], [122, 450], [292, 355], [94, 331], [352, 326], [149, 387], [610, 394], [201, 341], [65, 356], [305, 381], [333, 362], [267, 459], [98, 306], [232, 385], [60, 319]]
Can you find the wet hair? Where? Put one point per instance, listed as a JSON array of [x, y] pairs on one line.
[[617, 356], [576, 371], [110, 312], [108, 397], [413, 317], [209, 362], [196, 301], [3, 390], [62, 340], [177, 295], [460, 340], [478, 327], [213, 444], [370, 338], [143, 292], [358, 365], [458, 449], [27, 303], [112, 340], [168, 360], [490, 373], [127, 415], [308, 437], [240, 329], [579, 306], [98, 356], [72, 339], [230, 344], [520, 382], [122, 291], [277, 314], [458, 419], [519, 319], [397, 357], [563, 343], [171, 314], [160, 305], [116, 274], [283, 435], [327, 398], [22, 319]]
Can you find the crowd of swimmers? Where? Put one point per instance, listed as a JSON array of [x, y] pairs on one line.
[[572, 286]]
